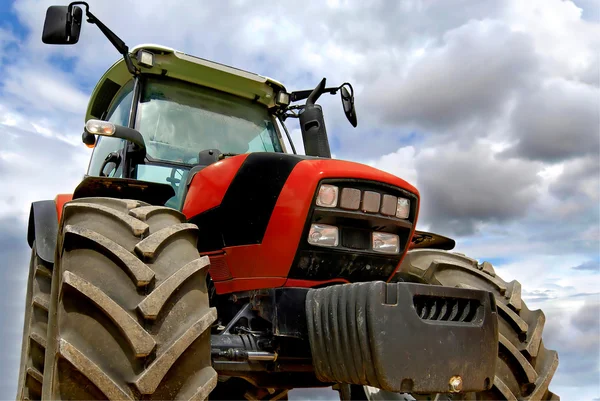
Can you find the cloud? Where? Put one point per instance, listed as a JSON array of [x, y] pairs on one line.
[[579, 180], [564, 42], [464, 187], [568, 128], [469, 77], [35, 164], [51, 91], [579, 357], [7, 42], [14, 265], [590, 265], [401, 163], [590, 9], [490, 108], [586, 319]]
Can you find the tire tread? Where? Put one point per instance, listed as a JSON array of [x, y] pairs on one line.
[[147, 346], [34, 330], [527, 367]]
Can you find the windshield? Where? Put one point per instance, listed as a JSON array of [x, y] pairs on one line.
[[178, 120]]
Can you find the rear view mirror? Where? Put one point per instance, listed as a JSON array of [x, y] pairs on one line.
[[348, 103], [62, 26]]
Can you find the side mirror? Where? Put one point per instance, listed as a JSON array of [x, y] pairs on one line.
[[62, 25], [105, 128], [348, 103]]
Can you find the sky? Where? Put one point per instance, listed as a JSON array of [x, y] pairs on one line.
[[489, 107]]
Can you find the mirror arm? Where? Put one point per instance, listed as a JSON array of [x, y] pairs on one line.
[[304, 94], [116, 41]]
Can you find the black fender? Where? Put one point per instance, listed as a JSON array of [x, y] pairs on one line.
[[43, 229], [424, 239], [153, 193]]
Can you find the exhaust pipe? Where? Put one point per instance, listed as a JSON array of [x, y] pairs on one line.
[[312, 124]]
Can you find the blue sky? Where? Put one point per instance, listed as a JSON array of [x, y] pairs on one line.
[[491, 108]]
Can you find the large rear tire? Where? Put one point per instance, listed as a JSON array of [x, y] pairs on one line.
[[33, 349], [524, 367], [129, 316]]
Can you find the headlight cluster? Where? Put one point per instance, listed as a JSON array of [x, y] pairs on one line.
[[329, 236], [366, 201], [353, 199]]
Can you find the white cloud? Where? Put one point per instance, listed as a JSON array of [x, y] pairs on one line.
[[44, 88], [558, 121], [401, 163], [567, 44], [469, 76], [34, 165]]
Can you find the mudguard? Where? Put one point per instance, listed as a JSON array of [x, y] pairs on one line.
[[43, 229], [124, 188], [424, 239]]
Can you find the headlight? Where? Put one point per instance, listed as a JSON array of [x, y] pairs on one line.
[[371, 201], [389, 205], [145, 58], [282, 98], [350, 198], [328, 196], [323, 235], [386, 243], [403, 208]]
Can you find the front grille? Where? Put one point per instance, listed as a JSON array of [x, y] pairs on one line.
[[354, 258], [446, 309], [326, 264], [356, 239]]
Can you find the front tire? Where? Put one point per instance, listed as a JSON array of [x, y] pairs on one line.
[[33, 349], [524, 367], [129, 316]]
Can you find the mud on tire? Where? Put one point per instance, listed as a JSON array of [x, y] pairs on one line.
[[33, 349], [524, 366], [129, 317]]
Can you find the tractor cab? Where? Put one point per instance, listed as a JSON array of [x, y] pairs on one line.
[[189, 111], [161, 112]]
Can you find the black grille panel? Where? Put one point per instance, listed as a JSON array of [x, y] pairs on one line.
[[356, 239], [447, 309]]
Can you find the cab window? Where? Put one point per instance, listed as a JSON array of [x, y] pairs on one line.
[[178, 120], [117, 114]]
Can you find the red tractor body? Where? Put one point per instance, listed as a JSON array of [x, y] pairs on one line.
[[253, 212]]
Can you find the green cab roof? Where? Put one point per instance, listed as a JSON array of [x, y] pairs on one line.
[[175, 64]]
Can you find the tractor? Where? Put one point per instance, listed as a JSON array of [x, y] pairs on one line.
[[201, 258]]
